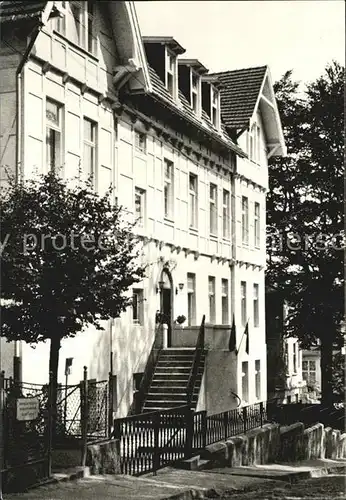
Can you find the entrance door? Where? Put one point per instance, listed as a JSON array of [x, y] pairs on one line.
[[167, 312]]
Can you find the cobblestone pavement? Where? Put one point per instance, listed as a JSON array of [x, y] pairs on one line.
[[331, 487]]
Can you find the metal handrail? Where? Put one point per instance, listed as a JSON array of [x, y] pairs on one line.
[[196, 362], [153, 357]]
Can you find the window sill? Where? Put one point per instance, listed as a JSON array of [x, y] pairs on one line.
[[76, 46], [213, 237], [169, 221], [193, 229], [257, 247], [227, 239], [141, 151]]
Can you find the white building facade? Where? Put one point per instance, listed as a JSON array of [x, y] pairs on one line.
[[90, 96]]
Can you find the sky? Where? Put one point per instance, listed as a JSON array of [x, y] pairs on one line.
[[285, 34]]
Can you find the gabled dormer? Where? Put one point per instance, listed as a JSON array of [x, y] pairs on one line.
[[190, 83], [211, 99], [162, 53]]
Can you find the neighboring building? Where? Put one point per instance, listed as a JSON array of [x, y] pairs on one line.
[[285, 376], [82, 92]]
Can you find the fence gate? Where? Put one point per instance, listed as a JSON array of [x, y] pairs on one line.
[[26, 440]]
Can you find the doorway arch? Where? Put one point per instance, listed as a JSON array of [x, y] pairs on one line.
[[166, 301]]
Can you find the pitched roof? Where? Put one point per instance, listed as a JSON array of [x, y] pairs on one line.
[[18, 10], [239, 92], [183, 105]]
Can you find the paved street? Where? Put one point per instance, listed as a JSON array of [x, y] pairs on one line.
[[331, 487]]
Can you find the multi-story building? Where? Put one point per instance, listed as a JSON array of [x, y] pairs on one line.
[[83, 93]]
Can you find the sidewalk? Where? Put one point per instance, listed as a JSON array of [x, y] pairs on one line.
[[176, 484]]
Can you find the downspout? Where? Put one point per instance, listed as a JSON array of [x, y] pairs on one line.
[[19, 163], [19, 171]]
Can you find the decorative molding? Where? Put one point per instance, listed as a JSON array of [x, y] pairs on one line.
[[196, 255], [84, 88], [187, 251], [101, 98], [46, 67], [66, 78]]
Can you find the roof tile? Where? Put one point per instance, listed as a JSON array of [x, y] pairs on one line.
[[239, 93], [16, 10]]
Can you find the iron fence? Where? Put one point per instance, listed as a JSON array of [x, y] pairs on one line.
[[150, 441]]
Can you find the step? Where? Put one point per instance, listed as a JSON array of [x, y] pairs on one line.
[[175, 370], [180, 357], [165, 396], [172, 389], [169, 378], [170, 363], [159, 403], [184, 352]]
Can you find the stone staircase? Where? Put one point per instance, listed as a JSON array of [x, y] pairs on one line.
[[169, 383]]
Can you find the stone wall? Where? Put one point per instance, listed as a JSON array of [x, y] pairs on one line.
[[273, 443], [103, 457]]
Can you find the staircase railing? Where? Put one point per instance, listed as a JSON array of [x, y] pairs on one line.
[[139, 396], [196, 362]]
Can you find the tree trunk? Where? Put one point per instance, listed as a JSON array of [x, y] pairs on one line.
[[327, 371], [53, 369]]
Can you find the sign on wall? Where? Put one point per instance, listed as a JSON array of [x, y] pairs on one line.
[[27, 409]]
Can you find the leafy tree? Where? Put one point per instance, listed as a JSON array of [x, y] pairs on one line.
[[68, 257], [305, 216]]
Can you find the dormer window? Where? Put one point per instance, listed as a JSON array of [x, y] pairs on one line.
[[171, 73], [195, 92], [81, 25], [215, 107]]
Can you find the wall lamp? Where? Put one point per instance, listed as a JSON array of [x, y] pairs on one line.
[[181, 287]]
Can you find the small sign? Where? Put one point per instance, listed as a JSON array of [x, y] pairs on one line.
[[27, 409]]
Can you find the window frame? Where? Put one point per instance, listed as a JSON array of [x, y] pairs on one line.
[[169, 184], [171, 73], [243, 303], [141, 194], [92, 144], [213, 209], [212, 299], [191, 299], [139, 320], [245, 220], [57, 131], [257, 224], [195, 92], [225, 300], [245, 381], [193, 206], [140, 138], [215, 106], [258, 391], [256, 319], [226, 214], [84, 20]]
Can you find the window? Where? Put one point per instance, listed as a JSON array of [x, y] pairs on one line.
[[89, 159], [193, 200], [243, 302], [309, 371], [245, 381], [213, 209], [255, 305], [82, 28], [295, 357], [195, 92], [170, 72], [214, 107], [137, 306], [225, 214], [211, 293], [257, 225], [245, 220], [140, 141], [224, 302], [286, 360], [168, 188], [59, 23], [53, 135], [254, 141], [140, 206], [191, 298], [258, 378]]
